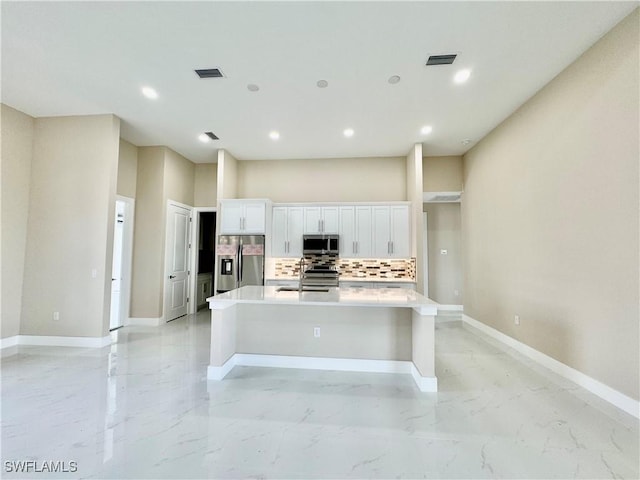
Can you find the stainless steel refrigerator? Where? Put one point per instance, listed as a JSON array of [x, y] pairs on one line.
[[240, 261]]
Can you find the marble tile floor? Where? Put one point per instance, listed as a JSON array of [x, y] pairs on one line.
[[143, 408]]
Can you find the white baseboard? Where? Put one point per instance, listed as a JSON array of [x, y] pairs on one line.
[[616, 398], [218, 373], [143, 322], [425, 384], [449, 309], [56, 341], [9, 341]]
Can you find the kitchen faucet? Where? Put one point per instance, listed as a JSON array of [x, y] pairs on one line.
[[301, 267]]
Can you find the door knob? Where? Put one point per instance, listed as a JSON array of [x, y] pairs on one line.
[[171, 276]]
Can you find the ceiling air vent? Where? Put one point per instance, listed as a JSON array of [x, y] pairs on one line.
[[441, 59], [210, 73], [211, 135]]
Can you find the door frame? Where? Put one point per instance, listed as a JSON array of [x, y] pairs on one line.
[[193, 265], [165, 284], [126, 268]]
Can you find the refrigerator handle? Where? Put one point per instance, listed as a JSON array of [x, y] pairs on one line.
[[239, 264]]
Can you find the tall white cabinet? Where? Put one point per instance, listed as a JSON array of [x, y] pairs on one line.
[[391, 231], [287, 231], [355, 231]]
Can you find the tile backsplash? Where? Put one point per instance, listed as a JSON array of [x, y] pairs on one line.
[[352, 268]]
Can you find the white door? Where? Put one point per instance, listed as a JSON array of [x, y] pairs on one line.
[[116, 320], [177, 262]]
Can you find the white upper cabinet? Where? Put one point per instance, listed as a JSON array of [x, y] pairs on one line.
[[286, 234], [321, 219], [391, 231], [244, 217], [355, 231]]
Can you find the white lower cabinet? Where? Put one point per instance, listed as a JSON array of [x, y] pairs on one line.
[[204, 288]]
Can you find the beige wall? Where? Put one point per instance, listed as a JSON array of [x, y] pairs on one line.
[[205, 188], [127, 169], [148, 241], [227, 176], [442, 174], [17, 153], [445, 271], [162, 175], [179, 178], [70, 226], [550, 216], [320, 180]]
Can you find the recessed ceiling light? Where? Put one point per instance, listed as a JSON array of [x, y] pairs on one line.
[[348, 132], [204, 138], [273, 135], [466, 141], [394, 79], [322, 84], [426, 130], [462, 75], [149, 93], [252, 87]]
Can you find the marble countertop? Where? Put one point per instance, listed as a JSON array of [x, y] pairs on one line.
[[361, 297]]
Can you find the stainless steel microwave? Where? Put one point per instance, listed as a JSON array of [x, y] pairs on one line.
[[320, 244]]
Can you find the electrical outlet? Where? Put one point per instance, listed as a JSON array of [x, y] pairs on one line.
[[456, 293], [443, 252], [516, 319], [316, 332], [56, 316]]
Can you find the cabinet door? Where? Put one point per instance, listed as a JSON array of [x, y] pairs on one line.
[[363, 232], [347, 232], [279, 232], [231, 221], [295, 227], [312, 219], [254, 217], [381, 232], [330, 222], [400, 231]]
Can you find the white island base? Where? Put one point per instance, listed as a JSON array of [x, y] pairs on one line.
[[355, 329]]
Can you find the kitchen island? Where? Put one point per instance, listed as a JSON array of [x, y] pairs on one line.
[[356, 329]]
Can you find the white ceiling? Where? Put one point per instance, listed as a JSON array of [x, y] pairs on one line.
[[63, 58]]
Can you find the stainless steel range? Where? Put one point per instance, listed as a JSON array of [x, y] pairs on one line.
[[319, 276]]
